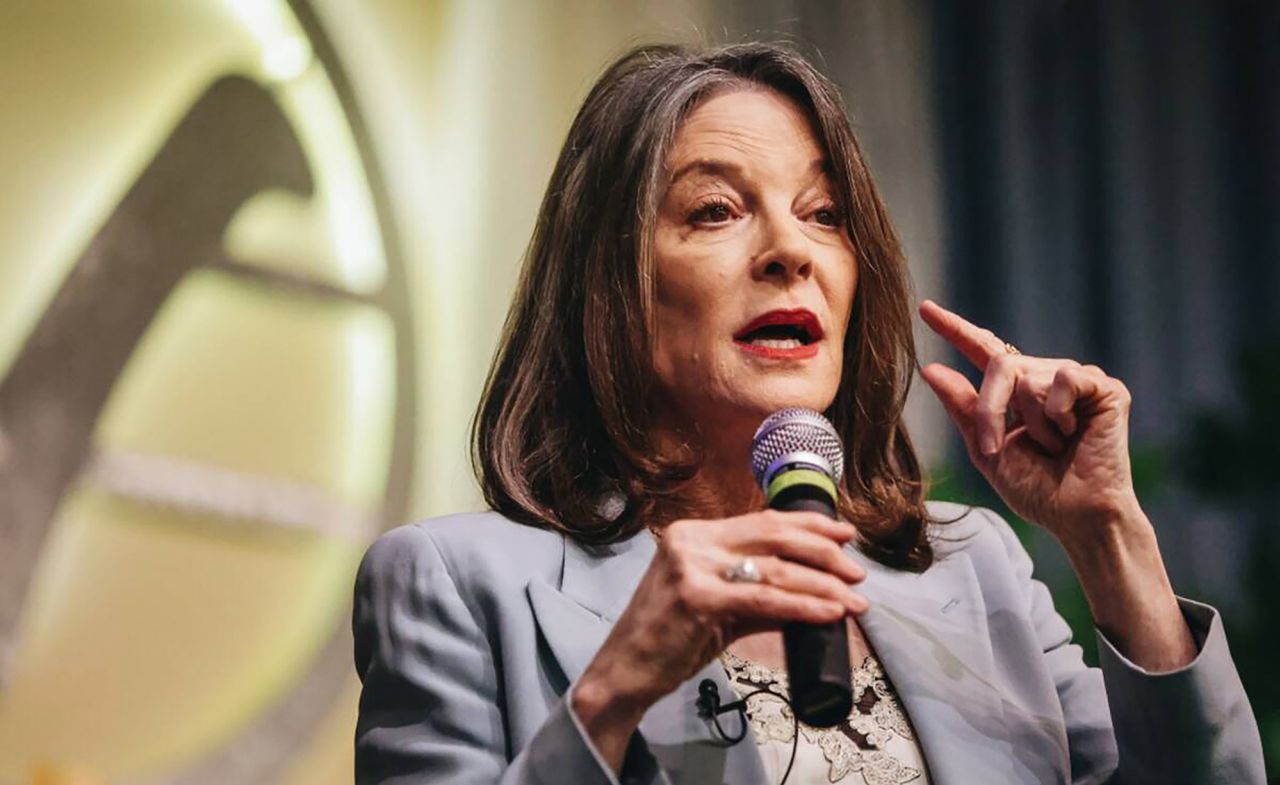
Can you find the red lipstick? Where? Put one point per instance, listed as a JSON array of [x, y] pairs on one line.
[[781, 335]]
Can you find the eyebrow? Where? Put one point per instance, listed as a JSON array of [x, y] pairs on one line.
[[720, 167]]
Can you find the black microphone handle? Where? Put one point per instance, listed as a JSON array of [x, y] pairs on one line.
[[817, 654]]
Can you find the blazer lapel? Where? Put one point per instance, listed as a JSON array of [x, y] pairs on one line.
[[597, 582], [929, 631]]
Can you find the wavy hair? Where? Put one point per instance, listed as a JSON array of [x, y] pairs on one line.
[[564, 419]]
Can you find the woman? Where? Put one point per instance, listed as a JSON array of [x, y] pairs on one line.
[[711, 249]]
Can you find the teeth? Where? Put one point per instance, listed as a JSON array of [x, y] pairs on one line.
[[777, 343]]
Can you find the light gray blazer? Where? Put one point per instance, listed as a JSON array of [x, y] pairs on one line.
[[471, 629]]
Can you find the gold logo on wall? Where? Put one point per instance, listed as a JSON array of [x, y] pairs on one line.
[[199, 434]]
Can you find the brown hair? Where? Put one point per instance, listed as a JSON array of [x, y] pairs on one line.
[[564, 417]]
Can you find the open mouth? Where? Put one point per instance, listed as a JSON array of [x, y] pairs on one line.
[[792, 333]]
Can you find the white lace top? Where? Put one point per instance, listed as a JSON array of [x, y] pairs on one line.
[[874, 746]]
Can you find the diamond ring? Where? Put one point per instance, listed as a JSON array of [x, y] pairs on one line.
[[745, 571]]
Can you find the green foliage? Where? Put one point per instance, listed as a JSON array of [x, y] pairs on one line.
[[1230, 454], [1230, 457]]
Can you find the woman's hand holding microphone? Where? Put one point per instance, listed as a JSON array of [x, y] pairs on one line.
[[1063, 462], [687, 609]]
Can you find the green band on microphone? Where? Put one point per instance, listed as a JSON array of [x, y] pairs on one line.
[[789, 479]]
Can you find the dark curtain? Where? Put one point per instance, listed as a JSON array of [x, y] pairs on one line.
[[1111, 192], [1112, 189]]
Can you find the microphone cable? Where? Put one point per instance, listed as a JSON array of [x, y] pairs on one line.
[[709, 707]]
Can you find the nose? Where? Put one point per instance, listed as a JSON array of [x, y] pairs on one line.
[[784, 254]]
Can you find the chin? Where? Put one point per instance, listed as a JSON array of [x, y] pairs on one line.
[[788, 394], [732, 421], [771, 386], [738, 401]]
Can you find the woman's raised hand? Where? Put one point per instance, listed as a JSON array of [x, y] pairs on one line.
[[1062, 461], [685, 610]]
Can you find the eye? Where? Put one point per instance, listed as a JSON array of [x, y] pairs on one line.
[[830, 215], [715, 211]]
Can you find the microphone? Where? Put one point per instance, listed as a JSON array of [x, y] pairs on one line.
[[797, 458]]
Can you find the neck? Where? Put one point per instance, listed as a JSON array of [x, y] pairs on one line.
[[725, 481], [723, 486]]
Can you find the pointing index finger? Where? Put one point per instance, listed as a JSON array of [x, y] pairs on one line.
[[978, 345]]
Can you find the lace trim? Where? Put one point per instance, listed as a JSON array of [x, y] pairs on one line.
[[855, 745]]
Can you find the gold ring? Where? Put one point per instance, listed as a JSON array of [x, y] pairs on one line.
[[1010, 348]]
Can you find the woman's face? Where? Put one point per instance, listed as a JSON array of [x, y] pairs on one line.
[[755, 271]]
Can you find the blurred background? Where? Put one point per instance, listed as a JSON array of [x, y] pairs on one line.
[[255, 255]]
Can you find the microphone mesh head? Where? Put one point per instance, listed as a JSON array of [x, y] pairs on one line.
[[798, 432]]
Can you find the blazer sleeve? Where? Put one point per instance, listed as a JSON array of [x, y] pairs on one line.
[[430, 707], [1129, 726]]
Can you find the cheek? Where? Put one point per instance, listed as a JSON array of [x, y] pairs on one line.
[[847, 294], [842, 295], [686, 332], [691, 298], [691, 283], [691, 318]]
